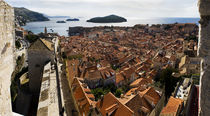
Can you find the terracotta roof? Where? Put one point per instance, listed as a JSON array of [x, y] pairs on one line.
[[143, 101], [173, 107], [148, 61], [125, 59], [83, 99], [109, 104], [90, 96], [144, 109], [107, 72], [142, 68], [150, 92], [104, 63], [87, 90], [139, 105], [139, 82], [72, 68], [119, 78], [131, 91], [173, 58], [128, 72], [93, 74], [111, 109], [152, 73]]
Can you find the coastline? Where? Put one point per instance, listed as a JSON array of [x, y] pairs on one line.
[[37, 27]]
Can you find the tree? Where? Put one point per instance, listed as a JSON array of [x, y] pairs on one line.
[[78, 56], [118, 92], [192, 37], [64, 55], [97, 93], [31, 38], [17, 44], [19, 62], [168, 81]]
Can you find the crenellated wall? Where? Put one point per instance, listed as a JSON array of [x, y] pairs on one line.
[[204, 53], [6, 56]]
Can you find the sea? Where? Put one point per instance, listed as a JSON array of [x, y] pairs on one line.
[[62, 28]]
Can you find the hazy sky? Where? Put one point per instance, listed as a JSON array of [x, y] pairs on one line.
[[125, 8]]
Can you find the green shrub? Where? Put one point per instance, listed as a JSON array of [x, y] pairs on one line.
[[98, 92], [78, 56], [31, 38], [17, 44], [118, 92], [167, 81]]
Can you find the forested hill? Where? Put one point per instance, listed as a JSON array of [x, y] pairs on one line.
[[24, 15]]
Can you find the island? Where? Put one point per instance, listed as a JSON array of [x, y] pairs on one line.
[[74, 19], [108, 19], [23, 16], [58, 16], [61, 22]]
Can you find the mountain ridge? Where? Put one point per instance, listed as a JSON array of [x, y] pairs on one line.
[[24, 15]]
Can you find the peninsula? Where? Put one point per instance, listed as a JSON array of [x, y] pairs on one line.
[[24, 16]]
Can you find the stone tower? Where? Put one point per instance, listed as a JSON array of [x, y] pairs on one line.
[[204, 53], [45, 30], [7, 36]]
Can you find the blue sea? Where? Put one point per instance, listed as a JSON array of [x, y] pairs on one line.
[[62, 28]]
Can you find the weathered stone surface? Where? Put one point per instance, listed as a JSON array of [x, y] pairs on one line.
[[204, 6], [6, 56], [204, 52], [38, 56], [48, 98]]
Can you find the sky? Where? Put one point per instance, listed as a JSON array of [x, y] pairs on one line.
[[126, 8]]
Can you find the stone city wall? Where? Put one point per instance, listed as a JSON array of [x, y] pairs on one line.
[[6, 56], [204, 53], [36, 62]]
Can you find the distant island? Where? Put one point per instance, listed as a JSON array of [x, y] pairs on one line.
[[61, 22], [74, 19], [23, 16], [57, 16], [108, 19]]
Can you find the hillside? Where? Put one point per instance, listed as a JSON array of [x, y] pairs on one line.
[[24, 15], [108, 19]]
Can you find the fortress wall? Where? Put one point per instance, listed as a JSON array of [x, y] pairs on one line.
[[36, 63], [204, 53], [6, 56]]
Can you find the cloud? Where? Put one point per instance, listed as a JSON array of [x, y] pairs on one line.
[[126, 8]]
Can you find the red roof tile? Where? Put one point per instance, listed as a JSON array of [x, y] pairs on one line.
[[109, 104]]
